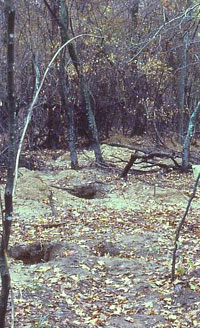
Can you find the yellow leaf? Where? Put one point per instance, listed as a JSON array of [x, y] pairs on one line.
[[195, 323], [69, 301], [44, 268], [172, 317], [85, 267], [93, 321]]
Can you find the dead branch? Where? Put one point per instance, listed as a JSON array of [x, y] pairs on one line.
[[87, 191], [129, 165], [180, 226], [116, 144], [118, 159], [146, 157]]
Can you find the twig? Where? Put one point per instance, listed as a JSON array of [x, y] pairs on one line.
[[180, 226], [119, 159], [3, 151], [50, 225], [52, 205], [116, 144], [61, 188], [158, 32], [12, 308]]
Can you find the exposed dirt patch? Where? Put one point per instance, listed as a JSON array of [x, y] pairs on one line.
[[37, 252], [105, 261], [31, 186]]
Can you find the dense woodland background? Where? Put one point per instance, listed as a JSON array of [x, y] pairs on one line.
[[140, 68]]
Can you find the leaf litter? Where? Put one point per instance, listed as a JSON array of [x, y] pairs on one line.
[[114, 268]]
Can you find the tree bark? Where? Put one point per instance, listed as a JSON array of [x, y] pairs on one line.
[[134, 16], [181, 84], [91, 119], [63, 87], [188, 139], [182, 75], [7, 216]]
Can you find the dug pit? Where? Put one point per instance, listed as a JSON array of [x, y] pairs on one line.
[[36, 252]]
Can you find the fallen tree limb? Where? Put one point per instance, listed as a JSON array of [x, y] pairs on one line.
[[87, 191], [116, 144], [129, 165], [144, 159]]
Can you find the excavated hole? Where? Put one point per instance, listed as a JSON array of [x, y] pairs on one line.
[[36, 252], [106, 248]]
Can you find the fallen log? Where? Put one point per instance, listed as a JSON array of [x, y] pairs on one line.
[[146, 157]]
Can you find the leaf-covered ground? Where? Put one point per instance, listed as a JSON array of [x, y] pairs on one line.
[[109, 262]]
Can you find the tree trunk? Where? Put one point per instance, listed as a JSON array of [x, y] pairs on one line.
[[69, 113], [91, 119], [82, 81], [85, 94], [134, 16], [36, 74], [7, 216], [188, 139], [63, 88], [182, 56], [52, 124], [182, 77]]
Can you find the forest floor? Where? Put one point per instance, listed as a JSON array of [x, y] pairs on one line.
[[106, 261]]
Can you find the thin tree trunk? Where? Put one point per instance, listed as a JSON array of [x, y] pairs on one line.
[[36, 74], [82, 84], [91, 119], [85, 95], [63, 89], [180, 227], [182, 77], [7, 216], [181, 88], [189, 136], [69, 114], [134, 17]]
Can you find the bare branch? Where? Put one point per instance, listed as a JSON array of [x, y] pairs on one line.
[[158, 32], [180, 227]]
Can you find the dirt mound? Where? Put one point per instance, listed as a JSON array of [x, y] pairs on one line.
[[31, 186]]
